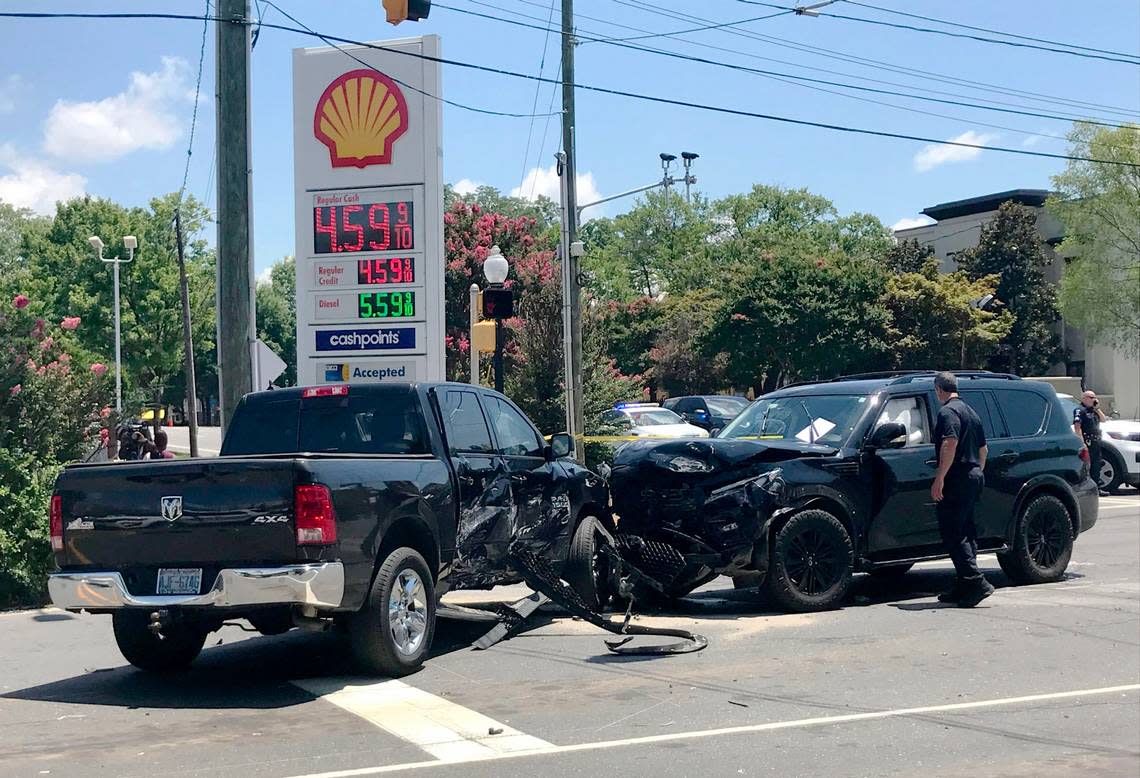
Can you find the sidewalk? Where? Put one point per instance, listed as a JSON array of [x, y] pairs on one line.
[[209, 440]]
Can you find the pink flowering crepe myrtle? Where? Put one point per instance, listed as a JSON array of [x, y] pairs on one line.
[[70, 323], [20, 302], [99, 369]]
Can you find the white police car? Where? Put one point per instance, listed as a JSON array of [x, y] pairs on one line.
[[650, 420]]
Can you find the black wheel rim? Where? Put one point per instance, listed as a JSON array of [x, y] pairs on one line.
[[1046, 536], [813, 562]]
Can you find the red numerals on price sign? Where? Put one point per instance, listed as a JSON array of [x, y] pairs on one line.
[[363, 227], [386, 270]]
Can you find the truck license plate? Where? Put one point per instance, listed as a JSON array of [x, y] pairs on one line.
[[179, 580]]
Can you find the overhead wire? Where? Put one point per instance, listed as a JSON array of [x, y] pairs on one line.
[[985, 29], [761, 72], [197, 94], [545, 129], [726, 110], [537, 90], [872, 63], [716, 26], [929, 30]]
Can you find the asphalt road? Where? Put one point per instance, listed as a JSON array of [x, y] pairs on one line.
[[1040, 680]]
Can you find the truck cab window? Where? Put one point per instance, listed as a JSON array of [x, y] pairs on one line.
[[464, 423], [516, 437]]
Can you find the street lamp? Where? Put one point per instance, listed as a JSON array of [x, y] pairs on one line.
[[495, 269], [130, 243], [688, 157]]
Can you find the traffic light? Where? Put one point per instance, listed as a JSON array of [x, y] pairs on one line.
[[498, 303], [400, 10]]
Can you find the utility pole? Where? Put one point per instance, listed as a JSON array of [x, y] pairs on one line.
[[572, 288], [187, 340], [474, 293], [235, 258]]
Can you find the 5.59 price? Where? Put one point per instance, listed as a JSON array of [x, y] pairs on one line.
[[364, 227], [387, 305], [386, 270]]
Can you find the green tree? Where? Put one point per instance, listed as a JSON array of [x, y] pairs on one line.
[[908, 256], [682, 358], [1011, 248], [934, 322], [277, 316], [1099, 204], [792, 318]]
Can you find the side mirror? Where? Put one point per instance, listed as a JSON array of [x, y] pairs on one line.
[[561, 446], [889, 435]]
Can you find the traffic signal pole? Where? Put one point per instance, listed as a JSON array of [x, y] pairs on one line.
[[235, 258], [571, 287]]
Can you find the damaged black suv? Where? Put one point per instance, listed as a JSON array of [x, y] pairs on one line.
[[818, 481]]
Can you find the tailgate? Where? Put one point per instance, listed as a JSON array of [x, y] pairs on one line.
[[178, 513]]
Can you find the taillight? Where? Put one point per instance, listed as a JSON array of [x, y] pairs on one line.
[[339, 390], [315, 517], [55, 514]]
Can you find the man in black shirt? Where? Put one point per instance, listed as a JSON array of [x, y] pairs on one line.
[[960, 442], [1086, 423]]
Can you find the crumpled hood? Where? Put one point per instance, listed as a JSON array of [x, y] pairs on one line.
[[715, 452]]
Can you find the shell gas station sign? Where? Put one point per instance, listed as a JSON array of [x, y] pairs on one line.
[[369, 213]]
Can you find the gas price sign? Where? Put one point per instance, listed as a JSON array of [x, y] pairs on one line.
[[386, 270], [386, 305], [363, 227]]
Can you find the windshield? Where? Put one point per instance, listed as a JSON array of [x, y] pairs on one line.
[[726, 406], [653, 417], [826, 419]]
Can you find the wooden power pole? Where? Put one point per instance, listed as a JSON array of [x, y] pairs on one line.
[[235, 295], [573, 289]]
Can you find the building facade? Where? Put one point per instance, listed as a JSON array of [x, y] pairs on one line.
[[957, 225]]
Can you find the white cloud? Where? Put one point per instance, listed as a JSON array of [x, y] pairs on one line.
[[933, 155], [141, 117], [544, 181], [909, 223], [10, 88], [465, 186], [34, 184], [265, 277]]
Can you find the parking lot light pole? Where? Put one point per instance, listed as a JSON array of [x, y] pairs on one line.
[[130, 244]]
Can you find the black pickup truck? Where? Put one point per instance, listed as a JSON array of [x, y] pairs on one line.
[[331, 505]]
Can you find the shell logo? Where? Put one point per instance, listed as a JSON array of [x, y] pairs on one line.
[[359, 117]]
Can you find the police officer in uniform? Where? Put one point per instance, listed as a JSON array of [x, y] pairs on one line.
[[960, 442], [1086, 423]]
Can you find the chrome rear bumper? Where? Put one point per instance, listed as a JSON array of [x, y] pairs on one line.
[[320, 585]]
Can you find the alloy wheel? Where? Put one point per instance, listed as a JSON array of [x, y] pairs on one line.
[[407, 612], [814, 563]]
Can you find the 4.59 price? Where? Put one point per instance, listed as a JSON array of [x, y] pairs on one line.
[[387, 305], [386, 270], [365, 227]]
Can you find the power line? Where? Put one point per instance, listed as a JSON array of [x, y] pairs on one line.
[[545, 129], [949, 34], [197, 93], [632, 95], [984, 29], [699, 29], [537, 89], [773, 73], [310, 31], [870, 63]]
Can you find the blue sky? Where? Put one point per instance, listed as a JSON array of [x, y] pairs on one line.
[[104, 107]]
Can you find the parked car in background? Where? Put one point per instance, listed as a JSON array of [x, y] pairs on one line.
[[650, 420], [712, 412], [1120, 449]]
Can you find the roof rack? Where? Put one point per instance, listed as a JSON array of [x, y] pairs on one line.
[[970, 374]]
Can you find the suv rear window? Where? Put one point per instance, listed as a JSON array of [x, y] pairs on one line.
[[374, 423], [991, 423], [1024, 412]]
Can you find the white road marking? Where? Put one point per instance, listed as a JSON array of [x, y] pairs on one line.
[[746, 729], [447, 731]]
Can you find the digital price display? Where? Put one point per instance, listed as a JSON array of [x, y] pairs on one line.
[[363, 227], [386, 305], [386, 270]]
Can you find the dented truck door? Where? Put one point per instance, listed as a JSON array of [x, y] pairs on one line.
[[543, 515], [486, 511]]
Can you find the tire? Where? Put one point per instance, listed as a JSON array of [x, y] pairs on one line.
[[179, 645], [892, 573], [587, 570], [795, 581], [1111, 470], [1042, 543], [392, 633]]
